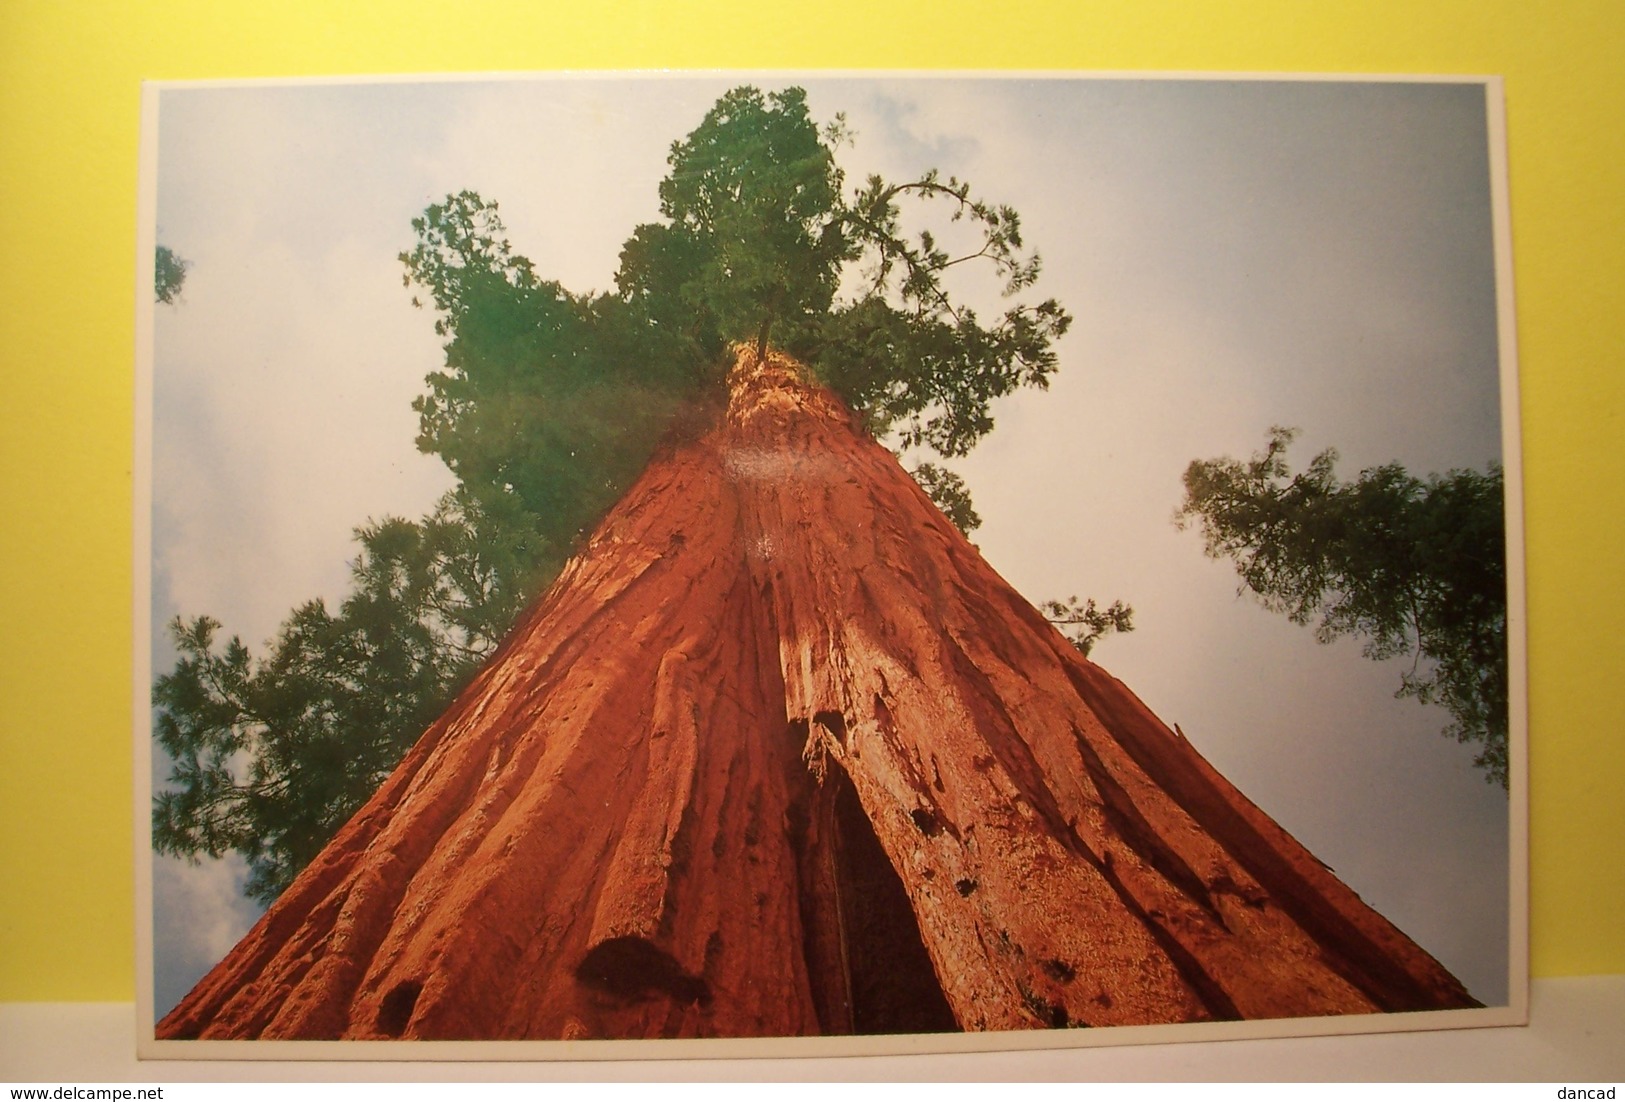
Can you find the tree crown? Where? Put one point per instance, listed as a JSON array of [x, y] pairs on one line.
[[1412, 566]]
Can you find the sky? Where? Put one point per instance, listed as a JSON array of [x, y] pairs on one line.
[[1236, 255]]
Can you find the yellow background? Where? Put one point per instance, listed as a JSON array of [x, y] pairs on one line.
[[69, 93]]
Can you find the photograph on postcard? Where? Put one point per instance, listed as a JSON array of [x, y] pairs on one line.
[[652, 557]]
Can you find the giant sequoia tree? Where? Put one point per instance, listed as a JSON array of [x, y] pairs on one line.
[[549, 404], [778, 753]]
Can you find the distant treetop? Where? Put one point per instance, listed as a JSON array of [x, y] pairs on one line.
[[1412, 566], [168, 275]]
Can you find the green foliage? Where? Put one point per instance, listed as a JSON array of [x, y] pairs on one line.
[[168, 275], [950, 494], [752, 238], [272, 755], [549, 403], [904, 350], [1086, 624], [759, 239], [1412, 566], [545, 410]]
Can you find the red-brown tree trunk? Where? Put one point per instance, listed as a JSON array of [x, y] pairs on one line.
[[779, 754]]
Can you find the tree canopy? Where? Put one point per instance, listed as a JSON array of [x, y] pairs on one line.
[[1412, 566], [168, 274], [752, 237], [548, 404], [272, 754], [1087, 623]]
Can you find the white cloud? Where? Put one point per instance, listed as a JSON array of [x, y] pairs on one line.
[[284, 420], [199, 913], [574, 163]]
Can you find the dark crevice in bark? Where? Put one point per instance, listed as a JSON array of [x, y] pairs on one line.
[[834, 723], [1130, 825], [1196, 977], [632, 968], [870, 970], [1003, 740], [395, 1011], [894, 986]]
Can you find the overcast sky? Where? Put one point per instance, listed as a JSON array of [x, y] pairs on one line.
[[1236, 255]]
